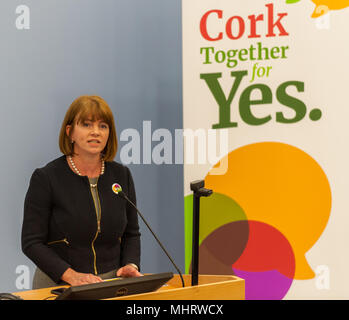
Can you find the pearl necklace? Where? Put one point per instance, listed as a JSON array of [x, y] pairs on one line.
[[93, 185]]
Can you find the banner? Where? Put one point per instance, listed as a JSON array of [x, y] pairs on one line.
[[265, 125]]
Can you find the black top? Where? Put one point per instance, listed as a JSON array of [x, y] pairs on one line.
[[60, 224]]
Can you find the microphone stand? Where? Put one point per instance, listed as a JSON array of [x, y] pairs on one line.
[[199, 191], [123, 195]]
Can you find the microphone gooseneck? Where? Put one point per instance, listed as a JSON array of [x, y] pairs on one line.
[[123, 195]]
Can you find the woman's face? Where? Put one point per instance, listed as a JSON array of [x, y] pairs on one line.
[[90, 137]]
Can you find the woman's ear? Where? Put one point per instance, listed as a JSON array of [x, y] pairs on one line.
[[67, 130]]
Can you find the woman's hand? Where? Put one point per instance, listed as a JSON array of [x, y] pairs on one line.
[[128, 271], [76, 278]]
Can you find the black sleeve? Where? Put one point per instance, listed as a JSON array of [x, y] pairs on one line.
[[35, 228], [130, 244]]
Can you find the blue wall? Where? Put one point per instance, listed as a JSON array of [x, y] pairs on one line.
[[128, 52]]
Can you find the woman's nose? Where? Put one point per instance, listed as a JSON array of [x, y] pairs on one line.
[[95, 130]]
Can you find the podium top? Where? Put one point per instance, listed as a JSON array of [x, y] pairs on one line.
[[211, 287], [116, 287]]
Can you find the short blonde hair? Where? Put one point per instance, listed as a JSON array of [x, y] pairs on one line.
[[88, 108]]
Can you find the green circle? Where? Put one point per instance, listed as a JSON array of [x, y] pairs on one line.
[[315, 114], [215, 211]]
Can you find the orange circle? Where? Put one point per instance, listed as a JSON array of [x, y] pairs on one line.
[[282, 186]]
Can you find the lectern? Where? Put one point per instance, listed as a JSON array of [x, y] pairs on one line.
[[210, 287]]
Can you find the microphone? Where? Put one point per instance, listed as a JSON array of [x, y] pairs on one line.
[[118, 191]]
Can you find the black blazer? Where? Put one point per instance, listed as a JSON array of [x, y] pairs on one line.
[[60, 224]]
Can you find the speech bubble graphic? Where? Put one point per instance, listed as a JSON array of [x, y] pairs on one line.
[[323, 6], [221, 248], [254, 251], [282, 186], [215, 211], [267, 249], [116, 188], [267, 263], [266, 285]]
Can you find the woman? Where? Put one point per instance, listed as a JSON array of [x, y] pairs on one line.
[[75, 229]]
